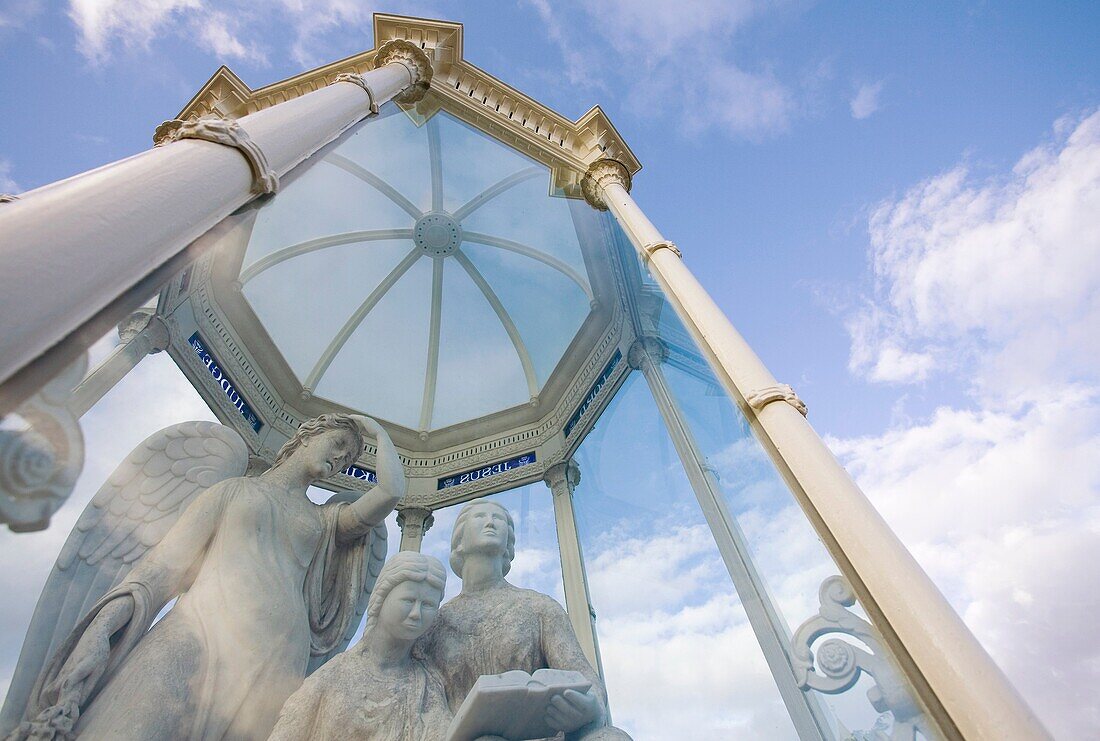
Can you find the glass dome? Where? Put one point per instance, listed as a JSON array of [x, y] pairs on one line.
[[447, 258]]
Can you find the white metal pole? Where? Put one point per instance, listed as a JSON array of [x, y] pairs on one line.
[[70, 249], [964, 691], [562, 478], [768, 625], [145, 334]]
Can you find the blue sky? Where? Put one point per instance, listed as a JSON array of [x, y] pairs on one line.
[[897, 204]]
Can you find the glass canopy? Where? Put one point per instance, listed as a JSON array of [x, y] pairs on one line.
[[517, 345], [445, 258]]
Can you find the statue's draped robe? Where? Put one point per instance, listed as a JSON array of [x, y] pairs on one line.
[[497, 630], [343, 701], [271, 586]]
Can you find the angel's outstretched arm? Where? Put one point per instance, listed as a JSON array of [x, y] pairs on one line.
[[358, 518]]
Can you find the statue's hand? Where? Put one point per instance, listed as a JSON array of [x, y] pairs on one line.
[[570, 710]]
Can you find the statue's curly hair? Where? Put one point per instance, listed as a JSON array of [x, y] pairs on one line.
[[319, 426], [458, 557], [402, 567]]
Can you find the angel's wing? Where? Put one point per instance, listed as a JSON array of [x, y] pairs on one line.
[[129, 514], [375, 559]]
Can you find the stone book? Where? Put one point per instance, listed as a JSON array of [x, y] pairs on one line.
[[513, 704]]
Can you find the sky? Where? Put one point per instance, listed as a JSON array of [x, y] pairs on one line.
[[897, 204]]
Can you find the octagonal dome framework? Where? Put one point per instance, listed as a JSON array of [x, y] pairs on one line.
[[435, 268]]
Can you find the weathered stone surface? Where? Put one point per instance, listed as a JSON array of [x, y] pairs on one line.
[[264, 578]]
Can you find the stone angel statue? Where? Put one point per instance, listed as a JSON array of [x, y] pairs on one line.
[[265, 582]]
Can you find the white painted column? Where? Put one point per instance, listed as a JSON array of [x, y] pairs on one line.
[[963, 690], [71, 250], [771, 630], [414, 522], [142, 334], [562, 478]]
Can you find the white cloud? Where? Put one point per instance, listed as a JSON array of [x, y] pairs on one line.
[[678, 651], [865, 103], [1001, 274], [234, 30], [995, 286], [133, 23], [7, 182], [656, 51], [218, 33], [578, 70], [15, 13]]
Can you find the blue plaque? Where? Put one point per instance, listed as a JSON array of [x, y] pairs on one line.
[[363, 474], [198, 344], [485, 472], [593, 392]]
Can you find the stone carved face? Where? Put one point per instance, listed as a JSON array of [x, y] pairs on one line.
[[330, 452], [486, 530], [483, 527], [410, 609]]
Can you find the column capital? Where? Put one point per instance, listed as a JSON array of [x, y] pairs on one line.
[[602, 173], [415, 60], [415, 520], [563, 477], [646, 349], [145, 321]]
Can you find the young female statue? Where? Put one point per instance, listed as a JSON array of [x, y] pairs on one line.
[[376, 691], [265, 579]]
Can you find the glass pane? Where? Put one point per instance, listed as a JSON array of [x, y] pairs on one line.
[[537, 564], [676, 645], [359, 220], [767, 545]]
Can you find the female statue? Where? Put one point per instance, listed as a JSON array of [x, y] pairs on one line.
[[265, 579], [376, 691], [492, 627]]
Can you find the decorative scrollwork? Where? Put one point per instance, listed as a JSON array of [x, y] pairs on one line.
[[226, 132], [39, 463], [840, 663], [361, 81]]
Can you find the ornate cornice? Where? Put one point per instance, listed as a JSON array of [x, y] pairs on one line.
[[228, 133], [599, 175], [460, 88]]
